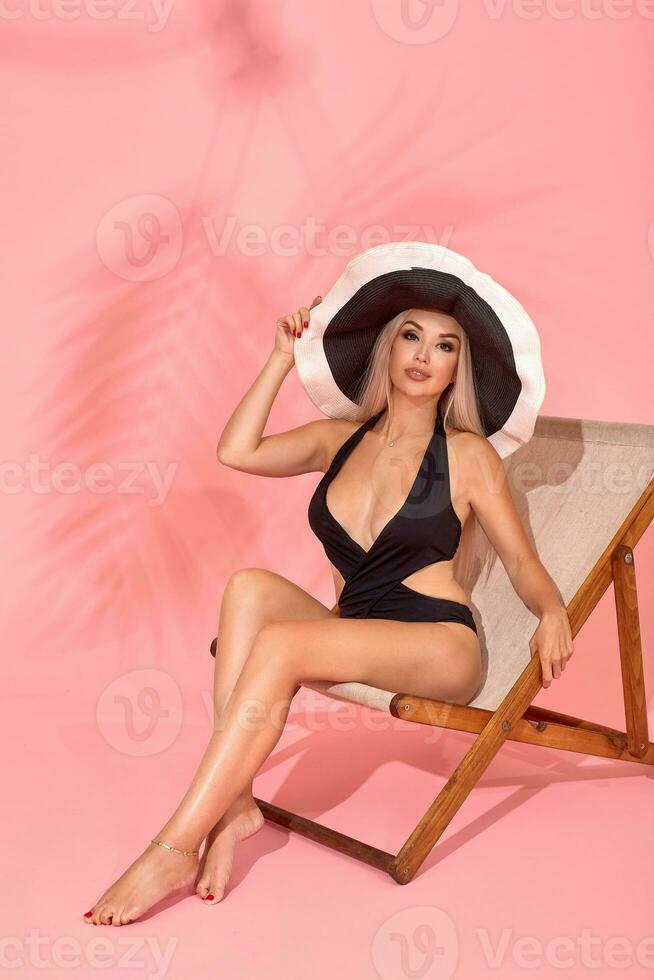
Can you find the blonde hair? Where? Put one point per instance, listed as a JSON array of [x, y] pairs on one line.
[[459, 406]]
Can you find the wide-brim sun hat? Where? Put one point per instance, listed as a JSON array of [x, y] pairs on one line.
[[332, 355]]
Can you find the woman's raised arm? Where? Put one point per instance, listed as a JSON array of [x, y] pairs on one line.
[[301, 450]]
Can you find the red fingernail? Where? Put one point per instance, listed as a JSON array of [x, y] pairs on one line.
[[209, 898], [306, 323]]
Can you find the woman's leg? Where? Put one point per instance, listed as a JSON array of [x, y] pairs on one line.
[[435, 660], [252, 598]]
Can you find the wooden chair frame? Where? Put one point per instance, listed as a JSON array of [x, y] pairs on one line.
[[517, 719]]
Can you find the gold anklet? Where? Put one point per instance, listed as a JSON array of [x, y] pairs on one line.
[[170, 847]]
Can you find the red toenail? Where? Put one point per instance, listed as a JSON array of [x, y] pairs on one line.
[[87, 914], [208, 898]]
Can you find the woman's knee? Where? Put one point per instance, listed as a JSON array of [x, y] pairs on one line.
[[247, 585], [276, 646], [244, 597], [246, 579]]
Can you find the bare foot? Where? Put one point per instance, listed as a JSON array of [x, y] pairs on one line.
[[155, 874], [242, 820]]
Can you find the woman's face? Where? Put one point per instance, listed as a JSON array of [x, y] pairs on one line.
[[430, 343]]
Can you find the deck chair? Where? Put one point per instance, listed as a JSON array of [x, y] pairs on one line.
[[583, 490]]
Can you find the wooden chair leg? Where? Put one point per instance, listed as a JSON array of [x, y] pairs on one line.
[[467, 774], [631, 655]]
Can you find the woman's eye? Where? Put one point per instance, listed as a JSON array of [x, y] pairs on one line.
[[443, 343]]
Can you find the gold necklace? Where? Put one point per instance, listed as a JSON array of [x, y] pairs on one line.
[[389, 444], [406, 434]]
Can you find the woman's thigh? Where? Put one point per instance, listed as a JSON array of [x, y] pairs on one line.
[[433, 660], [254, 597]]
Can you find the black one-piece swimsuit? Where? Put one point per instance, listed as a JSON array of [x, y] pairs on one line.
[[425, 530]]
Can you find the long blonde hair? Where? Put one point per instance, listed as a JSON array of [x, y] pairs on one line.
[[459, 406]]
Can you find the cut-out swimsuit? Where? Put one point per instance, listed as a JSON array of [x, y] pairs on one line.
[[426, 529]]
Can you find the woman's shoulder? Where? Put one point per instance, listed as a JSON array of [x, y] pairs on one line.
[[334, 433], [476, 456], [472, 442]]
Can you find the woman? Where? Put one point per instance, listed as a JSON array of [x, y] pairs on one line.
[[415, 634]]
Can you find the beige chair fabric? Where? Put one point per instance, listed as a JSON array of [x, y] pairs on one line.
[[573, 484]]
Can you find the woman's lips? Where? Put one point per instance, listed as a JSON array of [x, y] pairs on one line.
[[416, 377]]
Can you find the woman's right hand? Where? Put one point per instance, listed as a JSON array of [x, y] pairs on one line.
[[291, 326]]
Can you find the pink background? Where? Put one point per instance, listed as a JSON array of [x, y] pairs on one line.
[[518, 134]]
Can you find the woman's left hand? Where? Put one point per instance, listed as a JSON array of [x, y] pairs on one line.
[[552, 642]]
